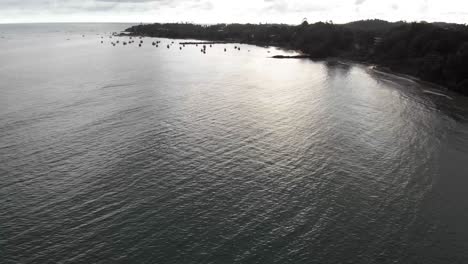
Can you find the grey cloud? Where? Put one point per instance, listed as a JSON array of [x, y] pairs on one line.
[[127, 1], [79, 6], [202, 5], [359, 2], [425, 6], [27, 4], [283, 6]]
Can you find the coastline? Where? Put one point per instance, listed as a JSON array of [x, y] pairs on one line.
[[440, 88], [376, 66]]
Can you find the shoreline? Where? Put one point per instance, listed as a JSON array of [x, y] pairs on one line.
[[215, 42], [377, 67], [387, 71]]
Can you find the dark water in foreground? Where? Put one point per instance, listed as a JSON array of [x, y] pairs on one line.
[[145, 155]]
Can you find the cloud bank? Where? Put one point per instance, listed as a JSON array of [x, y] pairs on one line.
[[214, 11]]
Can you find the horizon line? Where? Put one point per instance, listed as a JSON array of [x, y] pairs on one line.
[[217, 23]]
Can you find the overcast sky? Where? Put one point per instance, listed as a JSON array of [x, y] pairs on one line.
[[215, 11]]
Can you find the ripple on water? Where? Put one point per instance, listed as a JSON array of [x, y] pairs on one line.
[[153, 156]]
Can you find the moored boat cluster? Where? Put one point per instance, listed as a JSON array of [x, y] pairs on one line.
[[116, 39]]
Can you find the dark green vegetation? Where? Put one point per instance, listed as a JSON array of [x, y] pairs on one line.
[[436, 52]]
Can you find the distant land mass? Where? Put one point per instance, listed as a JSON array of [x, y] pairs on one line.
[[433, 52]]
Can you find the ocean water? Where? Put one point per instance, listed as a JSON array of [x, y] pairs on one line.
[[154, 155]]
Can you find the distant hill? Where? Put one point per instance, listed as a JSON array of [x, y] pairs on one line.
[[374, 25], [382, 26], [449, 25]]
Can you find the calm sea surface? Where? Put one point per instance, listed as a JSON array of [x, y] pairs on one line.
[[154, 155]]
